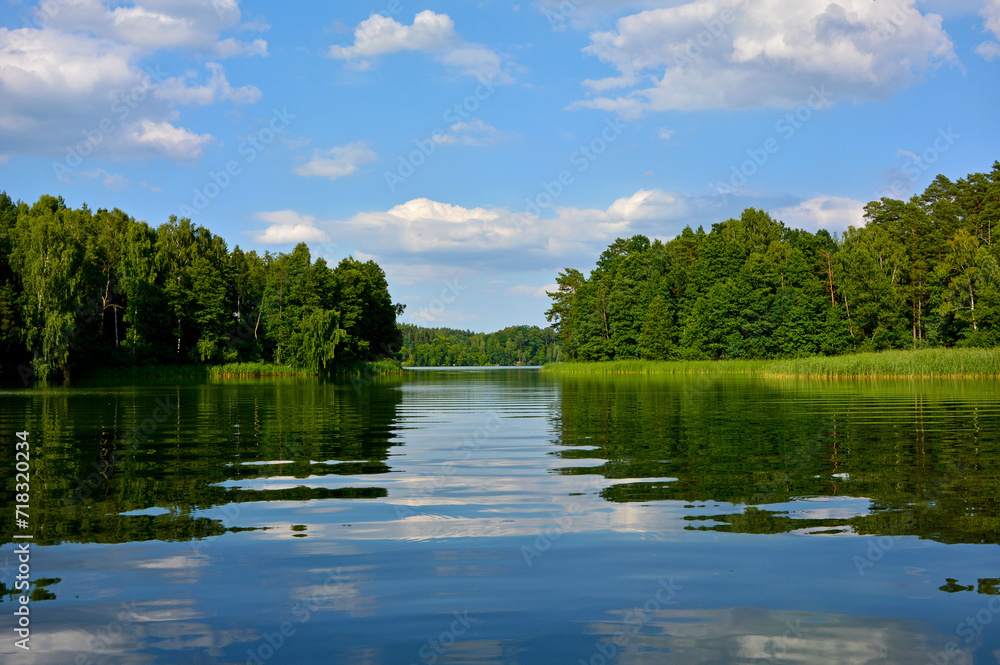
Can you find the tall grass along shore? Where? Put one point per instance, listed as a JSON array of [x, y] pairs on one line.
[[921, 363], [239, 370]]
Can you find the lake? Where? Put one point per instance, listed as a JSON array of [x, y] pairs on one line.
[[508, 516]]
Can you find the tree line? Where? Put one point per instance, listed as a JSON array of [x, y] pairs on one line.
[[922, 272], [80, 288], [441, 347]]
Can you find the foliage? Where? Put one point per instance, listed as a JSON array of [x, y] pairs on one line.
[[920, 273], [86, 290], [517, 345], [920, 363]]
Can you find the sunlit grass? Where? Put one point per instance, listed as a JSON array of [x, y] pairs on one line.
[[966, 362], [239, 370]]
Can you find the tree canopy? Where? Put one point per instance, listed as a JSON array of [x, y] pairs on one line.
[[445, 347], [80, 288], [918, 273]]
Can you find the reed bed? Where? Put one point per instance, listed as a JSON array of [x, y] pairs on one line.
[[920, 363]]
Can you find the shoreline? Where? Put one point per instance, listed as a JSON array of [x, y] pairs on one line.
[[955, 363], [241, 371]]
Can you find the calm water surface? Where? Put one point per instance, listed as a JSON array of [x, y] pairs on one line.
[[507, 516]]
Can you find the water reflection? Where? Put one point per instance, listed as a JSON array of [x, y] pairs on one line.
[[369, 518], [925, 455], [749, 635], [106, 463]]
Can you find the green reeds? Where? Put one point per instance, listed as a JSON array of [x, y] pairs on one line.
[[921, 363]]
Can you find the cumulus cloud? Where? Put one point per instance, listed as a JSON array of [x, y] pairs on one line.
[[287, 227], [160, 24], [736, 54], [991, 12], [380, 35], [532, 291], [470, 132], [162, 139], [585, 14], [423, 227], [424, 241], [337, 162], [216, 89], [116, 182], [989, 50], [76, 88], [833, 213], [655, 204]]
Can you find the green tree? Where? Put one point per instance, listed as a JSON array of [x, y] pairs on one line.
[[968, 269], [49, 254], [656, 339]]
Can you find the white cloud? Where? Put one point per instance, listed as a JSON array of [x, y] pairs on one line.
[[655, 204], [532, 291], [833, 213], [380, 35], [477, 61], [57, 88], [989, 50], [256, 24], [423, 226], [587, 13], [288, 227], [337, 162], [471, 132], [160, 24], [991, 12], [217, 88], [736, 54], [665, 134], [116, 182], [76, 89], [423, 240], [162, 139]]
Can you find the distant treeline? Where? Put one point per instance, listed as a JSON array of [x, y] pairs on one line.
[[80, 289], [920, 273], [440, 347]]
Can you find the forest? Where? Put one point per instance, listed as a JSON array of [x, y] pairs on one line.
[[81, 289], [919, 273], [516, 345]]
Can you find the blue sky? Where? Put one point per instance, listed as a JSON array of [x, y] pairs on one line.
[[474, 149]]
